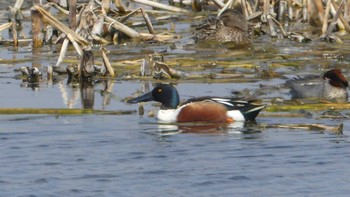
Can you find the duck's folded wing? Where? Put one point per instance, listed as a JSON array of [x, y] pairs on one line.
[[206, 29], [246, 107]]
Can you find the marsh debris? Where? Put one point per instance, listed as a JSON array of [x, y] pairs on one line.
[[94, 23], [308, 127]]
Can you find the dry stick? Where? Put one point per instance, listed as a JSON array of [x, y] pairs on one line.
[[272, 28], [326, 16], [342, 18], [75, 44], [99, 39], [347, 11], [339, 22], [72, 18], [305, 14], [335, 18], [60, 26], [37, 34], [280, 26], [107, 63], [254, 15], [80, 14], [290, 10], [227, 5], [105, 5], [145, 16], [5, 26], [218, 3], [125, 17], [13, 13], [161, 6], [244, 8], [157, 37], [249, 8], [85, 16], [196, 5], [63, 52], [272, 8], [18, 4], [59, 8], [311, 11], [319, 7], [148, 21], [266, 11], [282, 9], [163, 12], [120, 6], [256, 6], [134, 34], [336, 130], [121, 27]]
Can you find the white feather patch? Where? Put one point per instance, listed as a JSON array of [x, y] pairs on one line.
[[169, 115], [236, 115]]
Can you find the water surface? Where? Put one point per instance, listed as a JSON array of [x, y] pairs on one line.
[[128, 155], [131, 155]]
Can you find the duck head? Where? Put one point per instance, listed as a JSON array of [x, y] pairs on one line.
[[234, 18], [163, 93], [336, 78]]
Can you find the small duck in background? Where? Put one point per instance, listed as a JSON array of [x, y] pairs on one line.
[[31, 74], [332, 86], [230, 26], [203, 109]]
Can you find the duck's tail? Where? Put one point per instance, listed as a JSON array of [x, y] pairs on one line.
[[252, 111]]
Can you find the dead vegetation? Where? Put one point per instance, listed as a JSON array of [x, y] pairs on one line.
[[83, 24]]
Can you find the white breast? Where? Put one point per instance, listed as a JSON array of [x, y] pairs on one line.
[[236, 115], [168, 115]]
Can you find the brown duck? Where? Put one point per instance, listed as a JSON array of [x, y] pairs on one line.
[[230, 26]]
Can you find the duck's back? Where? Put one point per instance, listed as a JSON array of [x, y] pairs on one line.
[[207, 29], [299, 90]]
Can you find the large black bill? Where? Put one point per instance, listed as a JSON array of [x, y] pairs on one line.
[[143, 98]]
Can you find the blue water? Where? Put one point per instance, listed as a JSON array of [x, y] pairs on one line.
[[129, 155], [96, 155]]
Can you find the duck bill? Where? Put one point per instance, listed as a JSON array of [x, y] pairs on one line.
[[143, 98]]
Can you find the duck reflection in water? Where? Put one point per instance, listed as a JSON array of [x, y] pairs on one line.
[[204, 128]]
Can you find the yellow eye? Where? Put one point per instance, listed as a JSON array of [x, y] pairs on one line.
[[160, 90]]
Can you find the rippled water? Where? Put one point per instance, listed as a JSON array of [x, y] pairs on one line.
[[128, 155], [117, 156], [132, 155]]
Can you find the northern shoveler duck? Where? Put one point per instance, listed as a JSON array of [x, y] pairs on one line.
[[203, 109], [230, 26], [332, 86]]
